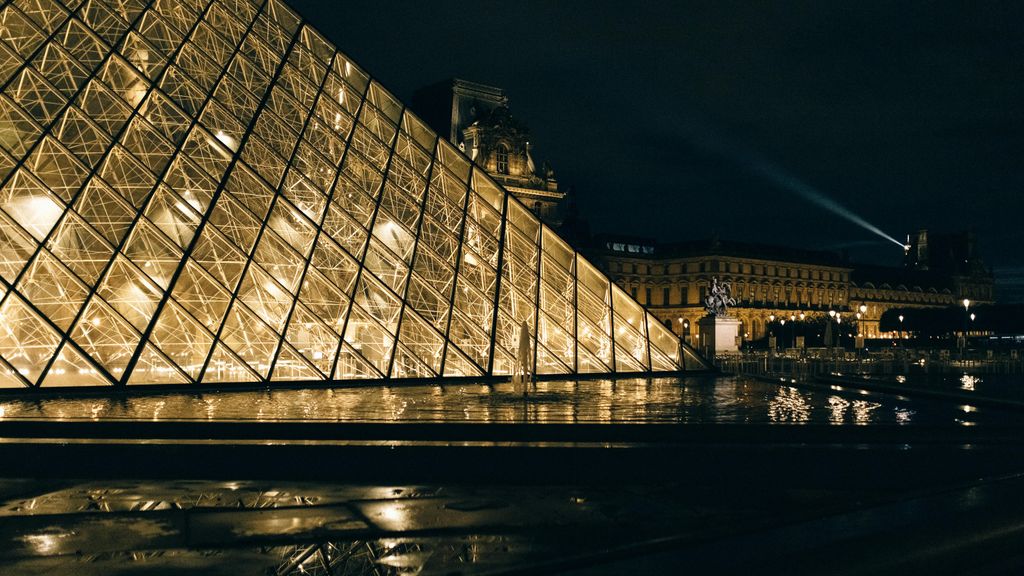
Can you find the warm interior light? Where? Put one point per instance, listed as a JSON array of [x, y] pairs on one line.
[[226, 140]]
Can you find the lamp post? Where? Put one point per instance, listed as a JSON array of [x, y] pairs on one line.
[[803, 331], [900, 334], [963, 335], [792, 330], [839, 330], [771, 333], [863, 312], [828, 329]]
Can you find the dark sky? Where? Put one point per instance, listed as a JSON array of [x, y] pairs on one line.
[[909, 114]]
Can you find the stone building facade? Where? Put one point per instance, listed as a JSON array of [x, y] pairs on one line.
[[767, 281], [477, 119]]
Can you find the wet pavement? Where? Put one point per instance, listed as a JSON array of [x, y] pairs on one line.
[[631, 476], [241, 528], [310, 528]]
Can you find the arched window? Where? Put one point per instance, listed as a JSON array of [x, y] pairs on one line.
[[501, 155]]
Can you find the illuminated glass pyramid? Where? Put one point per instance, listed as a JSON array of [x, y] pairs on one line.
[[198, 191]]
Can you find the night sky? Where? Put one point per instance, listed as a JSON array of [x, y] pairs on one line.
[[676, 121]]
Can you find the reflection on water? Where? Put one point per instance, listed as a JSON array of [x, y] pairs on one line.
[[903, 415], [967, 382], [702, 399], [789, 405], [837, 407], [862, 410]]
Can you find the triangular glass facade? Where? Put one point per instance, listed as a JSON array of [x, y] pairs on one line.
[[197, 191]]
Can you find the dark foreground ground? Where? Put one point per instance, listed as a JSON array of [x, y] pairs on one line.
[[711, 475]]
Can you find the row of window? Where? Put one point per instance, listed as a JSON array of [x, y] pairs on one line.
[[724, 267], [748, 294]]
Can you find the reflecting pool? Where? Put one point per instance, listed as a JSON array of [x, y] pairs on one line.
[[699, 399]]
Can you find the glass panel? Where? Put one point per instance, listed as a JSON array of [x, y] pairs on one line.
[[70, 368], [219, 257], [36, 96], [292, 227], [153, 368], [248, 189], [487, 189], [182, 339], [19, 130], [105, 210], [153, 253], [351, 365], [630, 343], [397, 207], [279, 260], [202, 296], [324, 300], [173, 216], [368, 339], [423, 341], [106, 337], [224, 366], [28, 203], [386, 266], [235, 222], [253, 340], [18, 31], [407, 365], [128, 176], [456, 364], [464, 333], [103, 107], [57, 168], [26, 342], [292, 366], [664, 345], [265, 297], [16, 247], [557, 338], [317, 343], [340, 227], [130, 292], [548, 363], [304, 195], [425, 300], [376, 300], [80, 248]]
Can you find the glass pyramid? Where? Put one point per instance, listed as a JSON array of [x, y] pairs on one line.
[[208, 191]]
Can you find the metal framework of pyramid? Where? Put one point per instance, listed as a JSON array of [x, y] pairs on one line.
[[208, 191]]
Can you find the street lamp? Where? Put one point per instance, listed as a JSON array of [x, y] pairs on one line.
[[901, 327], [839, 330], [803, 331], [963, 336]]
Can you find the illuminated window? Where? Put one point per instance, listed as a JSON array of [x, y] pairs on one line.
[[501, 156]]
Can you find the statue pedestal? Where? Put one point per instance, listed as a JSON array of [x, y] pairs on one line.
[[719, 335]]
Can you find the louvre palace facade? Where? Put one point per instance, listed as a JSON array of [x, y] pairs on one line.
[[208, 191], [783, 283]]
